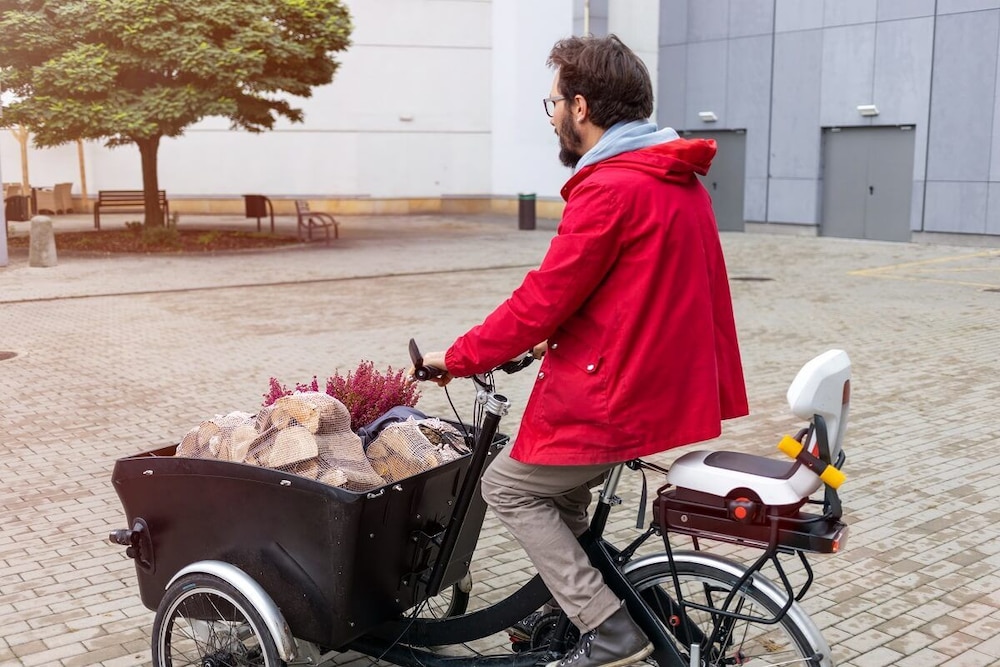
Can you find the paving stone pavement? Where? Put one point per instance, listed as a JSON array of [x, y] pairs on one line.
[[124, 354]]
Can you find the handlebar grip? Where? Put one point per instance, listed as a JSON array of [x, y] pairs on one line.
[[830, 475], [424, 373], [420, 371]]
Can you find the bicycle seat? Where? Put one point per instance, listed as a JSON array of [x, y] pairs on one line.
[[727, 474]]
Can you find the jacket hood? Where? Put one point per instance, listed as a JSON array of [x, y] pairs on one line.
[[675, 161], [625, 136]]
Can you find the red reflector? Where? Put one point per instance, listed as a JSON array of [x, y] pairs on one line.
[[840, 540]]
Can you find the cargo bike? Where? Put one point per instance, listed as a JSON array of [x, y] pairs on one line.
[[246, 565]]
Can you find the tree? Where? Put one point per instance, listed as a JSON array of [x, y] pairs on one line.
[[135, 71]]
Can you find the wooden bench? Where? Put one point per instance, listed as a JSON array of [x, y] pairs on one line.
[[129, 199], [310, 220]]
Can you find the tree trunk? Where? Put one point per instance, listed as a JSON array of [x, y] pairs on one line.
[[83, 175], [150, 180]]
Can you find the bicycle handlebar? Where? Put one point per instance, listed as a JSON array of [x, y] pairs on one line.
[[422, 372]]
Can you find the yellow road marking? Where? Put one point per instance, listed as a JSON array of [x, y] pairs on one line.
[[923, 262], [917, 271]]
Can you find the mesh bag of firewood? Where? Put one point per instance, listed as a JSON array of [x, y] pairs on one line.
[[223, 437], [313, 438], [410, 447], [309, 434]]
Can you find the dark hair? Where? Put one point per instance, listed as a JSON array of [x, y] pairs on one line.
[[608, 74]]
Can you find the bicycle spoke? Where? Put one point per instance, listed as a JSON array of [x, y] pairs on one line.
[[732, 620], [205, 625]]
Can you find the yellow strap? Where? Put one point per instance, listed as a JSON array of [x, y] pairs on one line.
[[833, 477], [830, 475], [790, 446]]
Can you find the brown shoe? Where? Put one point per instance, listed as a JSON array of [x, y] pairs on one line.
[[616, 642]]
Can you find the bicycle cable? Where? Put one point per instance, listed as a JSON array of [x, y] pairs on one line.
[[414, 615], [394, 643], [458, 418]]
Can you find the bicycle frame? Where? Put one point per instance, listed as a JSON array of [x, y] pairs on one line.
[[396, 641], [386, 641]]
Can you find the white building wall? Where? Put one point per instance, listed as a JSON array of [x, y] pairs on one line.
[[525, 150], [409, 114], [637, 23], [434, 98]]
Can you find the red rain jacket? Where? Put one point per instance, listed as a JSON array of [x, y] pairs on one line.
[[633, 298]]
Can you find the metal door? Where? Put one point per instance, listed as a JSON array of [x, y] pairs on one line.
[[867, 182], [725, 180]]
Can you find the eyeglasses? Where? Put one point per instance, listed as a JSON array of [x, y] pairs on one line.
[[550, 104]]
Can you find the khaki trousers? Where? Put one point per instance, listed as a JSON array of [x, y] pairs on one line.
[[545, 509]]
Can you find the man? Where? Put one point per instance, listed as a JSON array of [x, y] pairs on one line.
[[633, 300]]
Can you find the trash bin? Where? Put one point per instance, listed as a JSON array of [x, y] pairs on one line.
[[16, 208], [258, 206], [526, 211]]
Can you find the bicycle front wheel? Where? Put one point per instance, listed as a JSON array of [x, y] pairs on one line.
[[749, 641], [202, 620]]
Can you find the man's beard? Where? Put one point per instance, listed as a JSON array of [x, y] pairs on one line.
[[569, 143]]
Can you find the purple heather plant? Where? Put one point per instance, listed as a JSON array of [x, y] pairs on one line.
[[366, 392]]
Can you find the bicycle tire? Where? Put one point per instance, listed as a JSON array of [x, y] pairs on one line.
[[204, 620], [707, 580]]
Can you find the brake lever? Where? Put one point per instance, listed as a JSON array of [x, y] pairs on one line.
[[421, 372]]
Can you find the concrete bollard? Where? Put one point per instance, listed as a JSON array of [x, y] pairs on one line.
[[42, 245]]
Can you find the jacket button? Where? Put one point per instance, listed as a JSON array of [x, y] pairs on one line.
[[554, 346], [541, 376], [590, 368]]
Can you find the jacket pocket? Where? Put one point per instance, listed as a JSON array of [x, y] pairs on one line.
[[575, 351], [574, 383]]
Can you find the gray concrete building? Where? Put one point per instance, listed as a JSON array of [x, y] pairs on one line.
[[874, 119]]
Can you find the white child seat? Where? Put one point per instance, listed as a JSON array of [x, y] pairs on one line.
[[821, 387]]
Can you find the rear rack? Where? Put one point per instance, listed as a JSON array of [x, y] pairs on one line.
[[802, 532]]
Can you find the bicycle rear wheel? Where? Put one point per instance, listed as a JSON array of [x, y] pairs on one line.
[[747, 641]]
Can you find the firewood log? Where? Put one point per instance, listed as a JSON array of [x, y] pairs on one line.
[[334, 417], [351, 462], [239, 442], [189, 444], [297, 409], [291, 445], [199, 442], [405, 439], [333, 477], [394, 468], [309, 468], [376, 450], [401, 451]]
